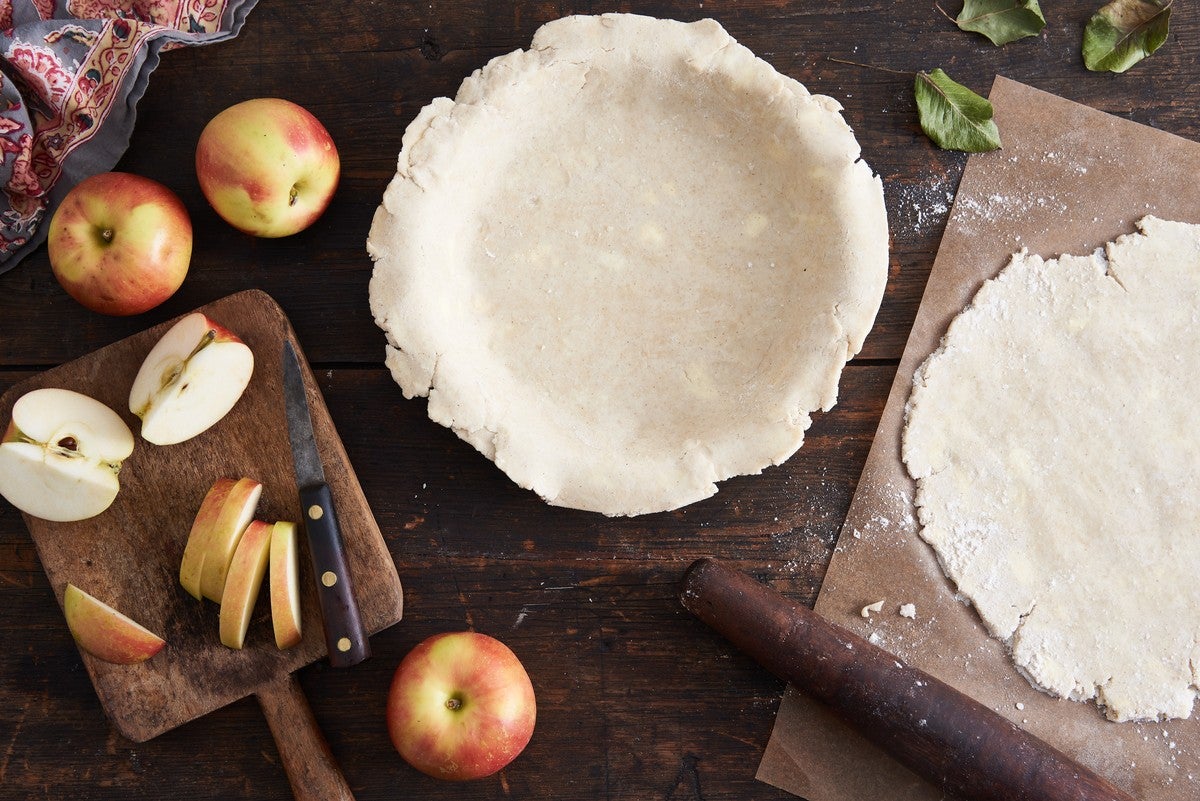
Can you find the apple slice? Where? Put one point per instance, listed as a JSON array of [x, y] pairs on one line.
[[105, 633], [245, 579], [190, 379], [285, 585], [60, 455], [224, 514]]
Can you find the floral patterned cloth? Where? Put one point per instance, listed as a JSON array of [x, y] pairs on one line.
[[71, 74]]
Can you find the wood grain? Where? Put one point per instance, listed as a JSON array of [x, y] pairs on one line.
[[637, 699], [311, 768], [129, 555]]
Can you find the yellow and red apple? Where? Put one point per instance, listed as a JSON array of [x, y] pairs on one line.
[[60, 455], [120, 243], [267, 166], [105, 633], [461, 706], [223, 517], [246, 572], [285, 585], [189, 380]]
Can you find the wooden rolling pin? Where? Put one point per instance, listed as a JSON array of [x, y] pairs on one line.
[[960, 745]]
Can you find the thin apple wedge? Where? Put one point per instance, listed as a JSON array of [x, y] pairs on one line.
[[285, 585], [224, 514], [245, 579], [60, 455], [190, 379], [105, 633]]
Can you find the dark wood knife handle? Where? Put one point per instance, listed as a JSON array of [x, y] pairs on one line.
[[961, 746], [344, 632]]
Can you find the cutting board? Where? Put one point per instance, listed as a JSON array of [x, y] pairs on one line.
[[129, 556], [1068, 179]]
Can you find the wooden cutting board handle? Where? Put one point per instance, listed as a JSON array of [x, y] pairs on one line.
[[963, 747], [311, 769]]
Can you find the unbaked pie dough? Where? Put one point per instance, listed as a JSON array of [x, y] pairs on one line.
[[629, 262], [1055, 438]]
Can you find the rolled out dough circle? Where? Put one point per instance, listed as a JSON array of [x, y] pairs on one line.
[[628, 262], [1054, 438]]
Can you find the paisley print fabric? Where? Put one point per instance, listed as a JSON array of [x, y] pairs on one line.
[[71, 73]]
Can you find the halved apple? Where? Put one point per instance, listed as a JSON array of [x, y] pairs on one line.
[[190, 379], [245, 579], [285, 585], [224, 514], [105, 633], [60, 455]]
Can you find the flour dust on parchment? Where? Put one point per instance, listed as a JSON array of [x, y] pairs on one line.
[[1055, 438]]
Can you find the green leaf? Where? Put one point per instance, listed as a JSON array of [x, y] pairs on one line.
[[1002, 21], [953, 116], [1124, 32]]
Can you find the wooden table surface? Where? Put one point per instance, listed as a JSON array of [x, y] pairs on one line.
[[636, 699]]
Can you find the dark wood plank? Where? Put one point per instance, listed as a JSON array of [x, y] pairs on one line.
[[638, 699], [366, 70]]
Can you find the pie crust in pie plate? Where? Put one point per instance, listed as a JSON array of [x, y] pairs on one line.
[[628, 262]]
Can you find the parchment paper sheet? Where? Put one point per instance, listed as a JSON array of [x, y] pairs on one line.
[[1068, 179]]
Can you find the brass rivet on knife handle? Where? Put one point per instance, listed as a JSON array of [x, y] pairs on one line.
[[345, 636], [960, 745]]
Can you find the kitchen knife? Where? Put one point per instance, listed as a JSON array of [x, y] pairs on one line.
[[344, 633], [961, 746]]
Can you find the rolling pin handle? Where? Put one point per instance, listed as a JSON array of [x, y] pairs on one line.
[[961, 746]]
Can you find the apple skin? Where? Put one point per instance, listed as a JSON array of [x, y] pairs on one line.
[[220, 523], [192, 377], [267, 166], [105, 633], [61, 453], [461, 706], [285, 586], [120, 244], [243, 583]]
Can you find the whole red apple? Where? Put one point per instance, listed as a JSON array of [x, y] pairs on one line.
[[120, 243], [267, 166], [461, 706]]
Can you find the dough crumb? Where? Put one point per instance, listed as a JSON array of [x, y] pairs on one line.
[[869, 608], [909, 611]]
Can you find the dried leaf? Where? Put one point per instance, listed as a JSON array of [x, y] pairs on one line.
[[1124, 32], [953, 116], [1002, 21]]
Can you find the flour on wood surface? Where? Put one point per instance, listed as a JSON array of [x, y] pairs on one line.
[[1053, 436]]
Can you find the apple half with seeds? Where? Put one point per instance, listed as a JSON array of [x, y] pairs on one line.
[[60, 455], [223, 517], [105, 633], [190, 380]]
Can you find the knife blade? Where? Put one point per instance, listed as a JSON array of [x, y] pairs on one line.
[[344, 633]]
